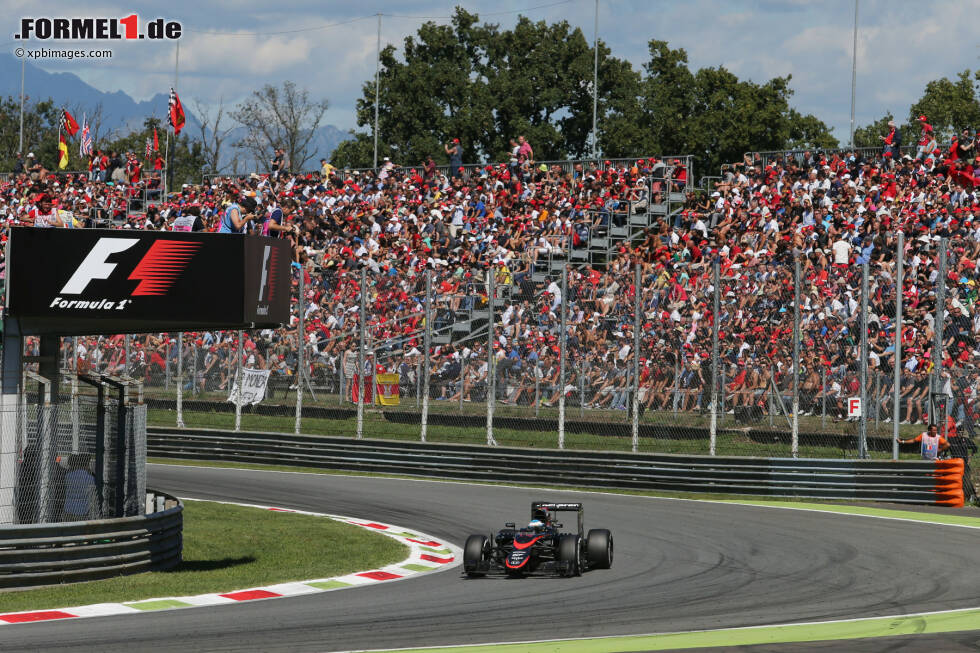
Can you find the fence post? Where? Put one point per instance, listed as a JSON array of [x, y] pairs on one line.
[[795, 447], [426, 345], [180, 379], [194, 354], [770, 388], [936, 382], [637, 325], [823, 397], [361, 328], [74, 395], [491, 368], [166, 374], [897, 389], [562, 356], [863, 364], [721, 395], [677, 379], [300, 344], [716, 309], [238, 384]]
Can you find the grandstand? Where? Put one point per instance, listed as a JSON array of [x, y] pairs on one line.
[[597, 222]]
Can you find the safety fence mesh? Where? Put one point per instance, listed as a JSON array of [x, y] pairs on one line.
[[552, 351]]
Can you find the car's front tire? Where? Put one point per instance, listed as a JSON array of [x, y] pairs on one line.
[[599, 547], [476, 550], [570, 552]]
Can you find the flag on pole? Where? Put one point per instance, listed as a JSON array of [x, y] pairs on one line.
[[176, 112], [156, 141], [62, 152], [68, 123], [85, 143]]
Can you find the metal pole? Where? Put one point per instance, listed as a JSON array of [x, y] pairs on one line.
[[823, 397], [361, 328], [863, 364], [195, 389], [562, 356], [795, 446], [377, 78], [166, 363], [721, 394], [715, 281], [595, 84], [677, 380], [637, 306], [875, 400], [854, 64], [897, 389], [20, 142], [74, 395], [427, 345], [180, 379], [238, 384], [301, 345], [770, 388], [491, 368], [937, 349], [537, 391]]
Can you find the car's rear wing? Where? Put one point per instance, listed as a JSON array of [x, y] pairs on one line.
[[562, 507]]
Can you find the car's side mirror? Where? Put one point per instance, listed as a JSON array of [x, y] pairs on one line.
[[509, 524]]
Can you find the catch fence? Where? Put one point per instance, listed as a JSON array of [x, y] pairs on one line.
[[766, 355]]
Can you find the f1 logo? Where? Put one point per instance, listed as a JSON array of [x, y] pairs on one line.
[[94, 266], [156, 271]]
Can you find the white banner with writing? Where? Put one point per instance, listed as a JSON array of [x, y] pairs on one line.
[[253, 387]]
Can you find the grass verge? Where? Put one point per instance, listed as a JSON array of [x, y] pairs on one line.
[[229, 548]]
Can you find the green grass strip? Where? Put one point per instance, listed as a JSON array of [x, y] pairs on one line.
[[328, 584], [943, 622], [415, 567], [908, 515], [159, 604], [227, 548]]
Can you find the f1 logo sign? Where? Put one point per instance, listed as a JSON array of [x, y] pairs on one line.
[[156, 271], [94, 266], [854, 407]]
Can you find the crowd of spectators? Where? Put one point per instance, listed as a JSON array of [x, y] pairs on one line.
[[830, 211]]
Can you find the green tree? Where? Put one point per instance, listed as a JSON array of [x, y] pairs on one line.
[[949, 105], [186, 155], [41, 120]]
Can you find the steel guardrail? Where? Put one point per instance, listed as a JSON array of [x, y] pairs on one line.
[[866, 480], [66, 552]]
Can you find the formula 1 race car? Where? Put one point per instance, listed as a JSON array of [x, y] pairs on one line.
[[540, 547]]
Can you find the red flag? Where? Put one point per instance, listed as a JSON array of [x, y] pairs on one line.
[[156, 141], [176, 112], [68, 123]]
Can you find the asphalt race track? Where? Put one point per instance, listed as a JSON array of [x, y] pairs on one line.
[[679, 565]]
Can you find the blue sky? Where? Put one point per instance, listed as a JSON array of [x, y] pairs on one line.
[[230, 47]]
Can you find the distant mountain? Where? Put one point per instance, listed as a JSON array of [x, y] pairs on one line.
[[121, 113]]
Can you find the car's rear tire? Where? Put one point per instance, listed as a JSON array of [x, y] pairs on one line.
[[599, 547], [570, 552], [476, 550]]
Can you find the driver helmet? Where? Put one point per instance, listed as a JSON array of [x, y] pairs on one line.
[[536, 525]]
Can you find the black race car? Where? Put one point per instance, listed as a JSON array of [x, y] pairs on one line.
[[540, 547]]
